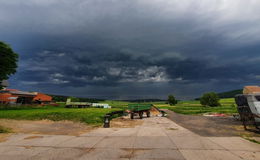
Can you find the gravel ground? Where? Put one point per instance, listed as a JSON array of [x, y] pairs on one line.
[[211, 126]]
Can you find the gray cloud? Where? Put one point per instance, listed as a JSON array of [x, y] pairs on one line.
[[115, 48]]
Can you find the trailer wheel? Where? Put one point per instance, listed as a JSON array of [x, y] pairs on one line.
[[132, 115], [141, 115], [148, 113]]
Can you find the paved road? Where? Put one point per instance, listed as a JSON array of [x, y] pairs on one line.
[[157, 138]]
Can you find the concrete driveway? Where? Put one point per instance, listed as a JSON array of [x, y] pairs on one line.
[[157, 138]]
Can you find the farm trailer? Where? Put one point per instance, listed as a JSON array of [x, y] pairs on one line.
[[248, 106], [139, 109], [132, 110]]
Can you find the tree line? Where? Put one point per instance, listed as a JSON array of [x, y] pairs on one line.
[[208, 99]]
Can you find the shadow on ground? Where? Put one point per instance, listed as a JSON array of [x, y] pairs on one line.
[[211, 126]]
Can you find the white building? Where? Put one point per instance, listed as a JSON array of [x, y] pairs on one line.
[[100, 105]]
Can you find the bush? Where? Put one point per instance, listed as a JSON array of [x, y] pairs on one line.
[[172, 100], [210, 99]]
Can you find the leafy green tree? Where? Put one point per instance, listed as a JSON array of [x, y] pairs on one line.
[[210, 99], [8, 61], [172, 100]]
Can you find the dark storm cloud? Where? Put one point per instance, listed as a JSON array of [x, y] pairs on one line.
[[120, 49]]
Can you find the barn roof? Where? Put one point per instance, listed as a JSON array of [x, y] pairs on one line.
[[251, 89]]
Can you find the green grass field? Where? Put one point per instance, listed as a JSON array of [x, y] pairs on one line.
[[194, 107], [94, 116], [188, 107], [117, 104]]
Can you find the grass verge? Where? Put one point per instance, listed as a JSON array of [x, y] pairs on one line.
[[195, 108], [251, 139], [93, 116]]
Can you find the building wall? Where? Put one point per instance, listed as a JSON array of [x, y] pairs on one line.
[[7, 98]]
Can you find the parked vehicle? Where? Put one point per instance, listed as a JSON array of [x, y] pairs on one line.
[[101, 105], [248, 106], [139, 109], [70, 104]]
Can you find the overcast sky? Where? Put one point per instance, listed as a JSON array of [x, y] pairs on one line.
[[124, 49]]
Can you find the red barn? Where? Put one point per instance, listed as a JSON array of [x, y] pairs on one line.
[[42, 98], [13, 96]]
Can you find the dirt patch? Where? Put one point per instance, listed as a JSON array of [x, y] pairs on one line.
[[128, 153], [125, 122], [4, 136], [46, 127], [33, 137], [155, 112], [172, 129], [28, 147], [210, 126]]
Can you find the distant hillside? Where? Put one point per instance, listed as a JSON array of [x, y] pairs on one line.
[[60, 98], [230, 94], [145, 100]]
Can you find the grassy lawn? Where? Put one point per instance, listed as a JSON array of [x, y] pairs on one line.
[[194, 107], [227, 101], [187, 107], [92, 116], [117, 104], [124, 104]]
